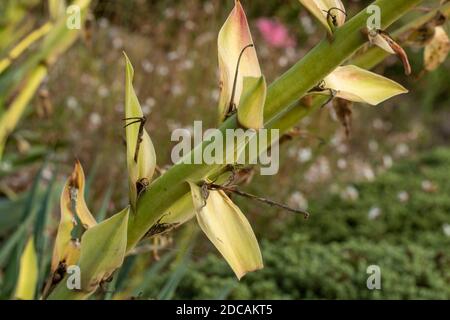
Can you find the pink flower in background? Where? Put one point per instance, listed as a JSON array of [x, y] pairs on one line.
[[275, 33]]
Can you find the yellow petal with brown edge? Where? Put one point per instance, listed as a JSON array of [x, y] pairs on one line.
[[228, 229], [66, 249], [233, 37], [355, 84], [437, 49], [384, 41], [141, 155], [330, 13]]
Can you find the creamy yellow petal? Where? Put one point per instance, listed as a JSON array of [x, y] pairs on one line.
[[228, 229], [141, 155], [325, 10], [66, 249], [375, 38], [355, 84], [234, 36]]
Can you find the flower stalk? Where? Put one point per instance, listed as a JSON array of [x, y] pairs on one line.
[[281, 97], [282, 110]]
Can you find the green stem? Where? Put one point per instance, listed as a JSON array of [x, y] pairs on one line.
[[282, 111], [282, 94]]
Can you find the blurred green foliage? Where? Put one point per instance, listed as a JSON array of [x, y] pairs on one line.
[[327, 256]]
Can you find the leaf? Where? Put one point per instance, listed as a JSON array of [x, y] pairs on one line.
[[56, 8], [18, 238], [28, 273], [41, 237], [152, 273], [330, 13], [101, 214], [11, 117], [437, 49], [66, 248], [233, 37], [358, 85], [251, 108], [121, 279], [228, 229], [142, 167], [103, 250]]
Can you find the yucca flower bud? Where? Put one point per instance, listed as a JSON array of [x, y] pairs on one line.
[[330, 13], [141, 155], [237, 60], [359, 85], [74, 212], [228, 229]]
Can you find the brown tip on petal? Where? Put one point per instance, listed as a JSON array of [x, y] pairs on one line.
[[77, 176], [403, 57], [399, 51]]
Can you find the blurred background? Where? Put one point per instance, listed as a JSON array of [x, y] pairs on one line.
[[378, 197]]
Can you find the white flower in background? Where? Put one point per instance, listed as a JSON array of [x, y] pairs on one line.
[[387, 161], [117, 43], [208, 7], [150, 101], [283, 61], [446, 229], [350, 193], [177, 89], [103, 91], [373, 145], [162, 70], [368, 173], [72, 103], [47, 173], [307, 24], [378, 124], [319, 171], [403, 196], [402, 149], [374, 213], [187, 65], [342, 164], [298, 200], [95, 120], [304, 155], [147, 66], [173, 55], [429, 186]]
